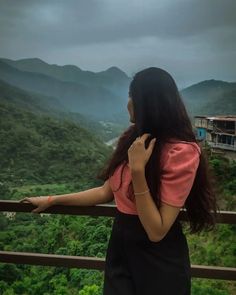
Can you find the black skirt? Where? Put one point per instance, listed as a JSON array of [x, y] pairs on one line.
[[137, 266]]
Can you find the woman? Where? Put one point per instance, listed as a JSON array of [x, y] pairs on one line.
[[156, 169]]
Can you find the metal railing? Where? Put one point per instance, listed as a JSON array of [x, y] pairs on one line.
[[224, 146], [198, 271]]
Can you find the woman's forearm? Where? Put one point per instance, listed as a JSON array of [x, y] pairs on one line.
[[148, 213], [88, 197]]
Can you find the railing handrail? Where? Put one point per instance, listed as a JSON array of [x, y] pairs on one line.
[[200, 271], [227, 217]]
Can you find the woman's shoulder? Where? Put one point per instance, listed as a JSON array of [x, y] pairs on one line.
[[179, 150], [181, 145]]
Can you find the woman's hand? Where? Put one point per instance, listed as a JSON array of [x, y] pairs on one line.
[[138, 154], [42, 203]]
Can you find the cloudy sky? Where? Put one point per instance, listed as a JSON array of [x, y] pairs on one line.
[[194, 40]]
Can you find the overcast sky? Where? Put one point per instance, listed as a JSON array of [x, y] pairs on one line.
[[193, 40]]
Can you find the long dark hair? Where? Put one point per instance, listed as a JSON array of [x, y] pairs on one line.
[[160, 111]]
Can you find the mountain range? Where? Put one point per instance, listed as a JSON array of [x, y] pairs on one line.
[[210, 97], [97, 97]]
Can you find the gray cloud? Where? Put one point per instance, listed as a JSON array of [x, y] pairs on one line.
[[177, 34]]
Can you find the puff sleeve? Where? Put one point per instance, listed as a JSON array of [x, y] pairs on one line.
[[178, 173]]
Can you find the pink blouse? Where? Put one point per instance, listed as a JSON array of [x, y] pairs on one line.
[[179, 162]]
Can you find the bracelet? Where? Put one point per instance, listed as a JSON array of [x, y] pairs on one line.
[[141, 193], [49, 198]]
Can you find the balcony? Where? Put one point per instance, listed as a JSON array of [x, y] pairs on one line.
[[198, 271], [223, 146]]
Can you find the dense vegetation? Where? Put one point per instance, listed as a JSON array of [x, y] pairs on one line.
[[14, 99], [211, 97], [40, 155], [101, 96], [42, 150]]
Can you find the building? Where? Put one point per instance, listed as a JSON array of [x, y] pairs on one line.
[[219, 132]]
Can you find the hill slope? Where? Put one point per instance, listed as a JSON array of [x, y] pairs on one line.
[[110, 78], [95, 101], [50, 106], [103, 95], [210, 97], [39, 149]]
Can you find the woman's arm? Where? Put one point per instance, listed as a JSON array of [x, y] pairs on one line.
[[156, 222], [90, 197]]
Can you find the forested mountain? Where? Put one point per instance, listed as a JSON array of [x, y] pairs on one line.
[[211, 97], [29, 101], [103, 95], [92, 100], [51, 106], [41, 149], [112, 78]]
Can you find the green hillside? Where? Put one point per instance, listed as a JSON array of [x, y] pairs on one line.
[[112, 78], [91, 100], [103, 96], [44, 105], [29, 101], [39, 149], [210, 97]]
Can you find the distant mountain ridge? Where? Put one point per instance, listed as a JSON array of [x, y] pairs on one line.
[[109, 78], [209, 86], [40, 149], [103, 96], [93, 100], [29, 101], [210, 97], [38, 104]]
